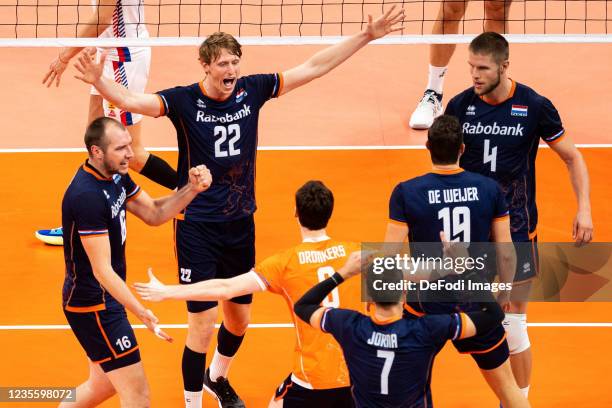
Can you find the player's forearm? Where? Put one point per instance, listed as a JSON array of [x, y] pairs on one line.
[[579, 176], [311, 300], [117, 94], [506, 261], [167, 207], [114, 285], [210, 290]]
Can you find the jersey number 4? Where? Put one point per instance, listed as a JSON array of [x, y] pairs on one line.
[[490, 155], [221, 133]]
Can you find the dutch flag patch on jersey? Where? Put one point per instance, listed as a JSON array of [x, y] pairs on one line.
[[240, 95], [518, 110]]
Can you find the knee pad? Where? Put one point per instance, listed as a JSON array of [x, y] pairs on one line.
[[516, 331]]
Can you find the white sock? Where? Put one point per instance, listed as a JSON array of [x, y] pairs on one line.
[[525, 391], [193, 399], [436, 78], [219, 366]]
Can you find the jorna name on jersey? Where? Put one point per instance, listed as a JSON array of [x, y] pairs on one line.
[[494, 129], [379, 339]]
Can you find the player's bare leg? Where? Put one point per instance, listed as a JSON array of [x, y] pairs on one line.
[[502, 383], [236, 318], [96, 109], [521, 361], [131, 385], [430, 107], [200, 328], [496, 16], [140, 154], [92, 392]]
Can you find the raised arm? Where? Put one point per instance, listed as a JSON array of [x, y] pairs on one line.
[[158, 211], [93, 27], [329, 58], [99, 253], [582, 229], [213, 289], [118, 95]]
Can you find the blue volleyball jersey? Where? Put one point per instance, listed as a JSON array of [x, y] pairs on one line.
[[93, 205], [460, 203], [223, 136], [390, 362], [502, 143]]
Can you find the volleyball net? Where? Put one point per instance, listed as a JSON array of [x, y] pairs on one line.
[[185, 22]]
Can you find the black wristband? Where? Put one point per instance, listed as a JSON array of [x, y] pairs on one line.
[[311, 300], [159, 171]]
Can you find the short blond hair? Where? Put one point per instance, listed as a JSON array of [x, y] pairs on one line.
[[212, 46]]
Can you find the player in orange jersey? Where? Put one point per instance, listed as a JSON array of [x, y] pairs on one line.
[[319, 377]]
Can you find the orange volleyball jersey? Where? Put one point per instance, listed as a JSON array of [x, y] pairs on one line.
[[318, 360]]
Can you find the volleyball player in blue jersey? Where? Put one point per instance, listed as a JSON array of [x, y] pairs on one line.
[[502, 122], [216, 121], [95, 295]]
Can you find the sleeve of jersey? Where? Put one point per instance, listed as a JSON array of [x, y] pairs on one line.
[[550, 128], [270, 272], [337, 321], [91, 215], [269, 85], [133, 189], [397, 208], [501, 207], [445, 327], [168, 101], [450, 107]]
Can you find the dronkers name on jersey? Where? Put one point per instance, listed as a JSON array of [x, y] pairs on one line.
[[329, 254]]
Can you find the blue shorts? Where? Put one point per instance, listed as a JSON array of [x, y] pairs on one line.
[[295, 396], [214, 250], [489, 350], [106, 336], [527, 260]]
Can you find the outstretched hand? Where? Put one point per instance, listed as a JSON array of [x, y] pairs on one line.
[[151, 321], [54, 74], [90, 71], [153, 290], [385, 24]]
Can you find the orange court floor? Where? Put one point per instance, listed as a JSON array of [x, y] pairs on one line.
[[364, 103]]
